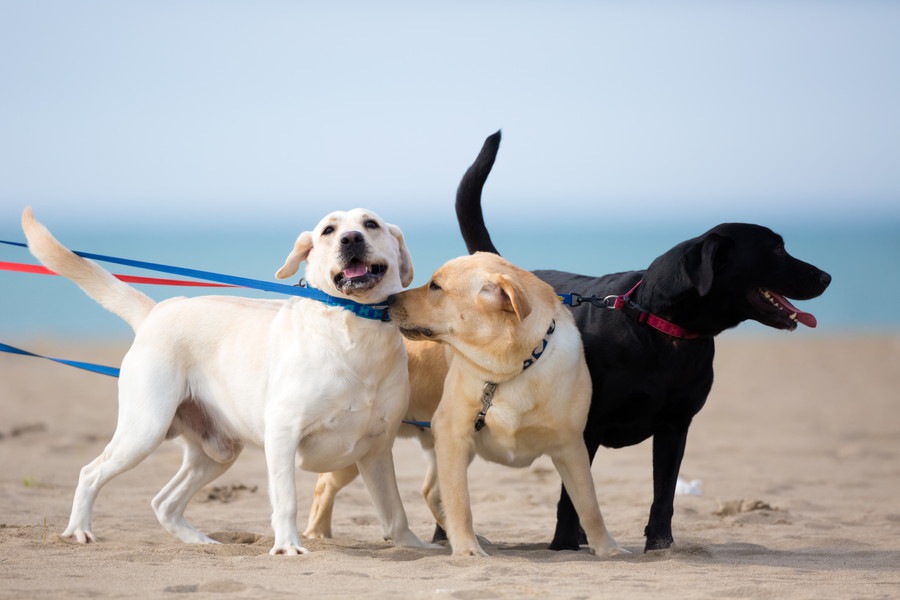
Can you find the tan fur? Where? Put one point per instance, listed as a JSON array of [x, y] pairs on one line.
[[493, 315]]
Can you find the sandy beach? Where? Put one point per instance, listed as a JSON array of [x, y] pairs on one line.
[[798, 450]]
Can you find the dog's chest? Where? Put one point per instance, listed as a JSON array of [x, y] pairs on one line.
[[519, 450], [511, 437], [351, 402]]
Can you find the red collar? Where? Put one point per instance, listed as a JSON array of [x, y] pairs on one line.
[[633, 310]]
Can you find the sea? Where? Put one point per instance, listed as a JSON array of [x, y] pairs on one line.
[[863, 259]]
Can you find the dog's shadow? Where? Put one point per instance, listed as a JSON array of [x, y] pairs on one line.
[[738, 553]]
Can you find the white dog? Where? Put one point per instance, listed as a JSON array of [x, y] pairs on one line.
[[303, 379]]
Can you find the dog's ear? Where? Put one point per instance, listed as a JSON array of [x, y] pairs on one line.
[[700, 261], [406, 266], [301, 250], [503, 293]]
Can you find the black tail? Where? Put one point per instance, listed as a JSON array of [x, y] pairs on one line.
[[468, 198]]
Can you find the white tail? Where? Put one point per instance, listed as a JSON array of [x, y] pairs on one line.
[[98, 283]]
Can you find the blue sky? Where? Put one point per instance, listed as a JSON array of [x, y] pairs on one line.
[[170, 113]]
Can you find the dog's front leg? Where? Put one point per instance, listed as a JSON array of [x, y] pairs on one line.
[[454, 453], [575, 470], [377, 470], [668, 450], [281, 443]]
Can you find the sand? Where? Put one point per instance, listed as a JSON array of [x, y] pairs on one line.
[[798, 450]]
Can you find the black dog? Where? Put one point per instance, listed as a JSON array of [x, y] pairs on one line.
[[649, 381]]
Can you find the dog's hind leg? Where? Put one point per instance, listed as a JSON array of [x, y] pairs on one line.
[[135, 438], [327, 487], [119, 456], [148, 398], [377, 470], [197, 470]]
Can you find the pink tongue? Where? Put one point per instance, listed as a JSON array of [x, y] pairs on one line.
[[356, 269], [803, 317]]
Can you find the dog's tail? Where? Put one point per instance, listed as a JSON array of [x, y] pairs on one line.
[[98, 283], [468, 199]]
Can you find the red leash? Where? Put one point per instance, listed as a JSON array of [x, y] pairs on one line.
[[25, 268], [625, 303], [632, 309]]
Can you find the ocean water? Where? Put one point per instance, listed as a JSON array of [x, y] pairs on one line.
[[864, 261]]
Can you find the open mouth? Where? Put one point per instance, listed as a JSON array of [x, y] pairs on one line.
[[357, 276], [778, 312]]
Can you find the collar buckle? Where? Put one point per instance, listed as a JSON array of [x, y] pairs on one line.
[[487, 397]]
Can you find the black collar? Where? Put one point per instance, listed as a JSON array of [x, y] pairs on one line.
[[487, 392]]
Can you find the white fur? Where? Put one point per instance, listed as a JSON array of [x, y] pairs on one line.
[[306, 381]]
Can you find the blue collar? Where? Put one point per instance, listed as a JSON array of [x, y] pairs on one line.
[[376, 312]]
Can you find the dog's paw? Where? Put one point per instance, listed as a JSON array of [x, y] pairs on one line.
[[605, 546], [609, 549], [474, 550], [433, 546], [82, 536], [411, 540], [189, 535], [288, 550], [201, 539], [316, 534]]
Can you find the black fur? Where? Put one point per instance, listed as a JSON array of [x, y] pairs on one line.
[[645, 382]]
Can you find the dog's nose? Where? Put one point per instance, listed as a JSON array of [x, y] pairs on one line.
[[352, 237], [825, 278], [391, 299]]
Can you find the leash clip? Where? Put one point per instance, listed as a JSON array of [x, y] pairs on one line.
[[610, 301], [577, 299]]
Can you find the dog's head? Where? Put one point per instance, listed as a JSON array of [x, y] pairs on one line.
[[354, 254], [477, 304], [732, 273]]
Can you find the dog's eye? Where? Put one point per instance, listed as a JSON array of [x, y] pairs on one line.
[[328, 230], [434, 286], [370, 224], [779, 250]]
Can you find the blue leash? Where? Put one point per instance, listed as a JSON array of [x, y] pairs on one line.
[[368, 311], [102, 370], [114, 372], [377, 312]]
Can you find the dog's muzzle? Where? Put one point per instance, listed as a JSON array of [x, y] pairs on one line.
[[417, 333], [358, 276], [358, 273], [399, 315]]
